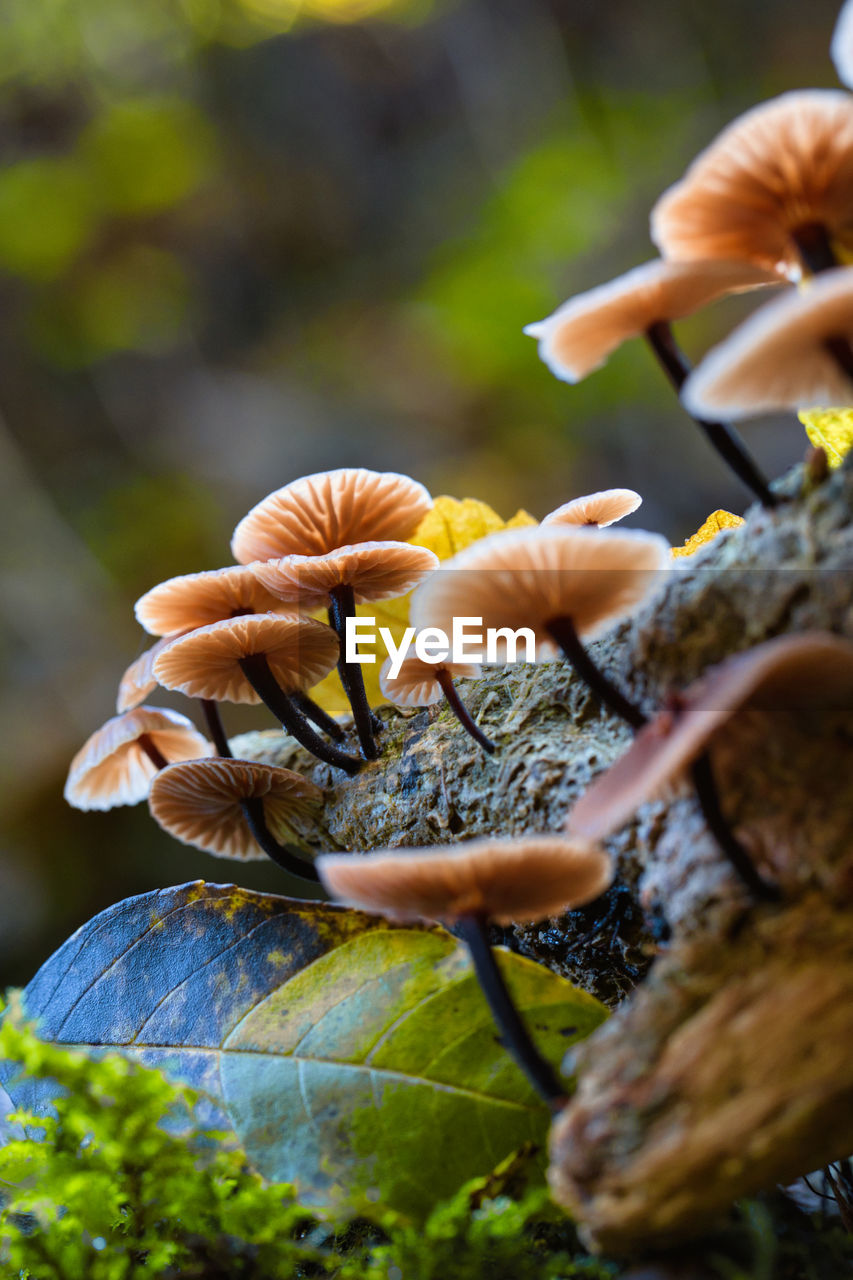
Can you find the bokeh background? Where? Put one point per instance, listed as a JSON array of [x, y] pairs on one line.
[[242, 240]]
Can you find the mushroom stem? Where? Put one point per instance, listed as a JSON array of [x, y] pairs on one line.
[[815, 247], [343, 607], [257, 671], [288, 856], [702, 774], [153, 753], [842, 353], [213, 720], [457, 706], [720, 435], [563, 631], [317, 716], [515, 1036]]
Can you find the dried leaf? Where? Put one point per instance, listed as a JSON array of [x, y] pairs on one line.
[[830, 430], [717, 521]]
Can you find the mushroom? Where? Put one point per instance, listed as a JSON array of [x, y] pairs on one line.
[[806, 669], [841, 48], [563, 583], [257, 658], [774, 188], [231, 808], [468, 886], [584, 331], [198, 599], [139, 679], [319, 513], [422, 684], [115, 766], [340, 579], [599, 509], [795, 351]]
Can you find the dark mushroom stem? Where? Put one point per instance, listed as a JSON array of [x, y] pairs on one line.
[[311, 711], [815, 247], [256, 669], [153, 753], [288, 856], [563, 631], [474, 932], [702, 774], [457, 706], [213, 720], [342, 607], [720, 435]]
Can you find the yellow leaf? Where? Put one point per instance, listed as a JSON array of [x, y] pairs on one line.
[[716, 522], [449, 526], [831, 430]]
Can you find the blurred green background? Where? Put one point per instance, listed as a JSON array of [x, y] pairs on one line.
[[242, 240]]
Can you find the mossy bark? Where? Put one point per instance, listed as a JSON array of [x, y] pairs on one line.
[[787, 786]]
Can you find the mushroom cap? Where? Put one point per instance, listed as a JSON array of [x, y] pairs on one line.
[[583, 332], [318, 513], [841, 48], [375, 571], [601, 509], [785, 164], [205, 663], [805, 670], [529, 577], [199, 803], [197, 599], [415, 684], [139, 679], [111, 768], [777, 359], [507, 880]]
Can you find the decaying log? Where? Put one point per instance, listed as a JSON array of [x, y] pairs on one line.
[[713, 1038]]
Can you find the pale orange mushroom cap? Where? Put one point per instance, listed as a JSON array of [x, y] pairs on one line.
[[528, 577], [811, 669], [139, 679], [841, 48], [199, 803], [197, 599], [602, 509], [505, 880], [331, 509], [375, 571], [583, 332], [205, 663], [415, 684], [111, 768], [777, 358], [784, 165]]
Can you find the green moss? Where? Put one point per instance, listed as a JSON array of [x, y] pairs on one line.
[[116, 1184]]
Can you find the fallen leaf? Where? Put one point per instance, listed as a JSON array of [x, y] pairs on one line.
[[831, 430], [717, 521]]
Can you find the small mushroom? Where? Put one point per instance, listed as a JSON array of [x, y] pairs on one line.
[[422, 684], [257, 658], [198, 599], [794, 351], [319, 513], [468, 886], [598, 509], [581, 334], [232, 807], [775, 188], [807, 669], [115, 766], [340, 579], [563, 583]]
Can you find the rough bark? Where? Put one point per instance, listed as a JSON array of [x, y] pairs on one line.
[[738, 982]]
